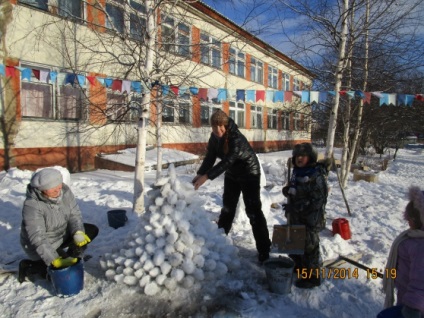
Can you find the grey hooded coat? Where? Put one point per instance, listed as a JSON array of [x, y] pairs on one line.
[[46, 223]]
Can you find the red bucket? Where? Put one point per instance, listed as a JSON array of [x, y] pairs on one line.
[[341, 226]]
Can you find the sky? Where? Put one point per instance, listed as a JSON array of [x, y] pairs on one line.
[[214, 275]]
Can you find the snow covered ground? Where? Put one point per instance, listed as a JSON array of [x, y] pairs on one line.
[[238, 287]]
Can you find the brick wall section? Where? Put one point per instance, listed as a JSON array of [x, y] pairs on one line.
[[266, 74], [96, 18], [98, 99], [280, 80], [196, 112], [248, 114], [226, 57], [195, 40], [248, 63]]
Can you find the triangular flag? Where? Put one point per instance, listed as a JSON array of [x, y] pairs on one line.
[[351, 94], [314, 97], [240, 95], [10, 71], [409, 99], [279, 96], [175, 89], [26, 74], [194, 90], [269, 96], [391, 99], [44, 75], [108, 82], [70, 78], [298, 93], [250, 95], [419, 97], [305, 97], [260, 95], [231, 94], [53, 77], [322, 97], [2, 71], [183, 91], [288, 96], [384, 99], [212, 93], [92, 80], [126, 86], [359, 94], [332, 93], [377, 94], [81, 80], [222, 95], [136, 86], [36, 73], [101, 80], [203, 94], [165, 90], [367, 98]]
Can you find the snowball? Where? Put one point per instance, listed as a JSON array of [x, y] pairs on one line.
[[179, 246], [171, 228], [170, 283], [172, 238], [169, 249], [110, 274], [150, 248], [199, 260], [153, 208], [151, 289], [198, 274], [188, 266], [196, 249], [165, 268], [110, 263], [148, 265], [129, 262], [143, 257], [119, 269], [221, 269], [155, 271], [160, 243], [167, 209], [128, 271], [165, 190], [150, 238], [188, 238], [199, 241], [159, 231], [205, 251], [103, 264], [180, 205], [234, 264], [188, 252], [175, 259], [130, 280], [159, 201], [120, 260], [139, 273], [139, 251], [119, 278], [177, 274], [148, 228], [187, 282], [183, 225], [160, 279], [214, 255], [158, 258], [172, 198], [210, 264], [144, 280]]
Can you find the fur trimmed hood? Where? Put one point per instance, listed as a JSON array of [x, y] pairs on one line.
[[416, 196]]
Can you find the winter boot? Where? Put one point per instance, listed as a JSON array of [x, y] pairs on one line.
[[29, 268], [262, 257]]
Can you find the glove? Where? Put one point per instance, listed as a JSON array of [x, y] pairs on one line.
[[288, 190], [409, 312], [81, 239], [288, 209], [64, 262]]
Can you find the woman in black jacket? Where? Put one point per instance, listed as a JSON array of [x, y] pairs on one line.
[[242, 175]]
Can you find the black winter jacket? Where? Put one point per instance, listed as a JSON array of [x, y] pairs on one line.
[[240, 160]]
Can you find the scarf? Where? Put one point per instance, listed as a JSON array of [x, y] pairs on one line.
[[388, 282]]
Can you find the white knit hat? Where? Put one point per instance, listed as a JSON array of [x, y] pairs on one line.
[[46, 179], [416, 196]]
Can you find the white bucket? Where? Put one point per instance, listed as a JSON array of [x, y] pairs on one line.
[[279, 273]]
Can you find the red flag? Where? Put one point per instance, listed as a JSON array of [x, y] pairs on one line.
[[419, 97], [10, 71], [175, 89], [260, 95], [92, 80], [36, 73], [117, 85], [288, 96], [203, 93]]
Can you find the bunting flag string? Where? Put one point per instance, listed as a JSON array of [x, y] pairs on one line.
[[205, 94]]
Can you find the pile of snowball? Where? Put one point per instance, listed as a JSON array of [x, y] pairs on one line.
[[176, 244]]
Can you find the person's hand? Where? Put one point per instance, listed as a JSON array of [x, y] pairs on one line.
[[286, 191], [195, 178], [81, 239], [199, 180], [64, 262], [288, 209]]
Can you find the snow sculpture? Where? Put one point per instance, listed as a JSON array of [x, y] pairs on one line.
[[175, 245]]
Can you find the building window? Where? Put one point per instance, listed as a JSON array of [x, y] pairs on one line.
[[297, 122], [256, 71], [237, 62], [137, 20], [286, 82], [45, 100], [116, 107], [272, 118], [183, 39], [206, 111], [272, 77], [237, 111], [256, 116], [285, 121], [40, 4], [70, 8], [177, 111], [115, 16], [210, 51], [168, 33], [296, 84]]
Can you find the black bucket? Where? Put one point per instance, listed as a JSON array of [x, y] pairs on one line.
[[117, 218]]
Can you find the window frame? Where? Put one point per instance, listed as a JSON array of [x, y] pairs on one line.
[[236, 108], [237, 62], [297, 121], [210, 108], [256, 70], [285, 120], [175, 106], [210, 51], [296, 84], [272, 77], [272, 118], [286, 82], [256, 112], [137, 19], [112, 24]]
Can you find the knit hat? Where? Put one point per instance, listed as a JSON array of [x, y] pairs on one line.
[[46, 179], [305, 149], [416, 196]]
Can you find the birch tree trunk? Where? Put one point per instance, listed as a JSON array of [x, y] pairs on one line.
[[339, 76], [159, 139], [151, 27]]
